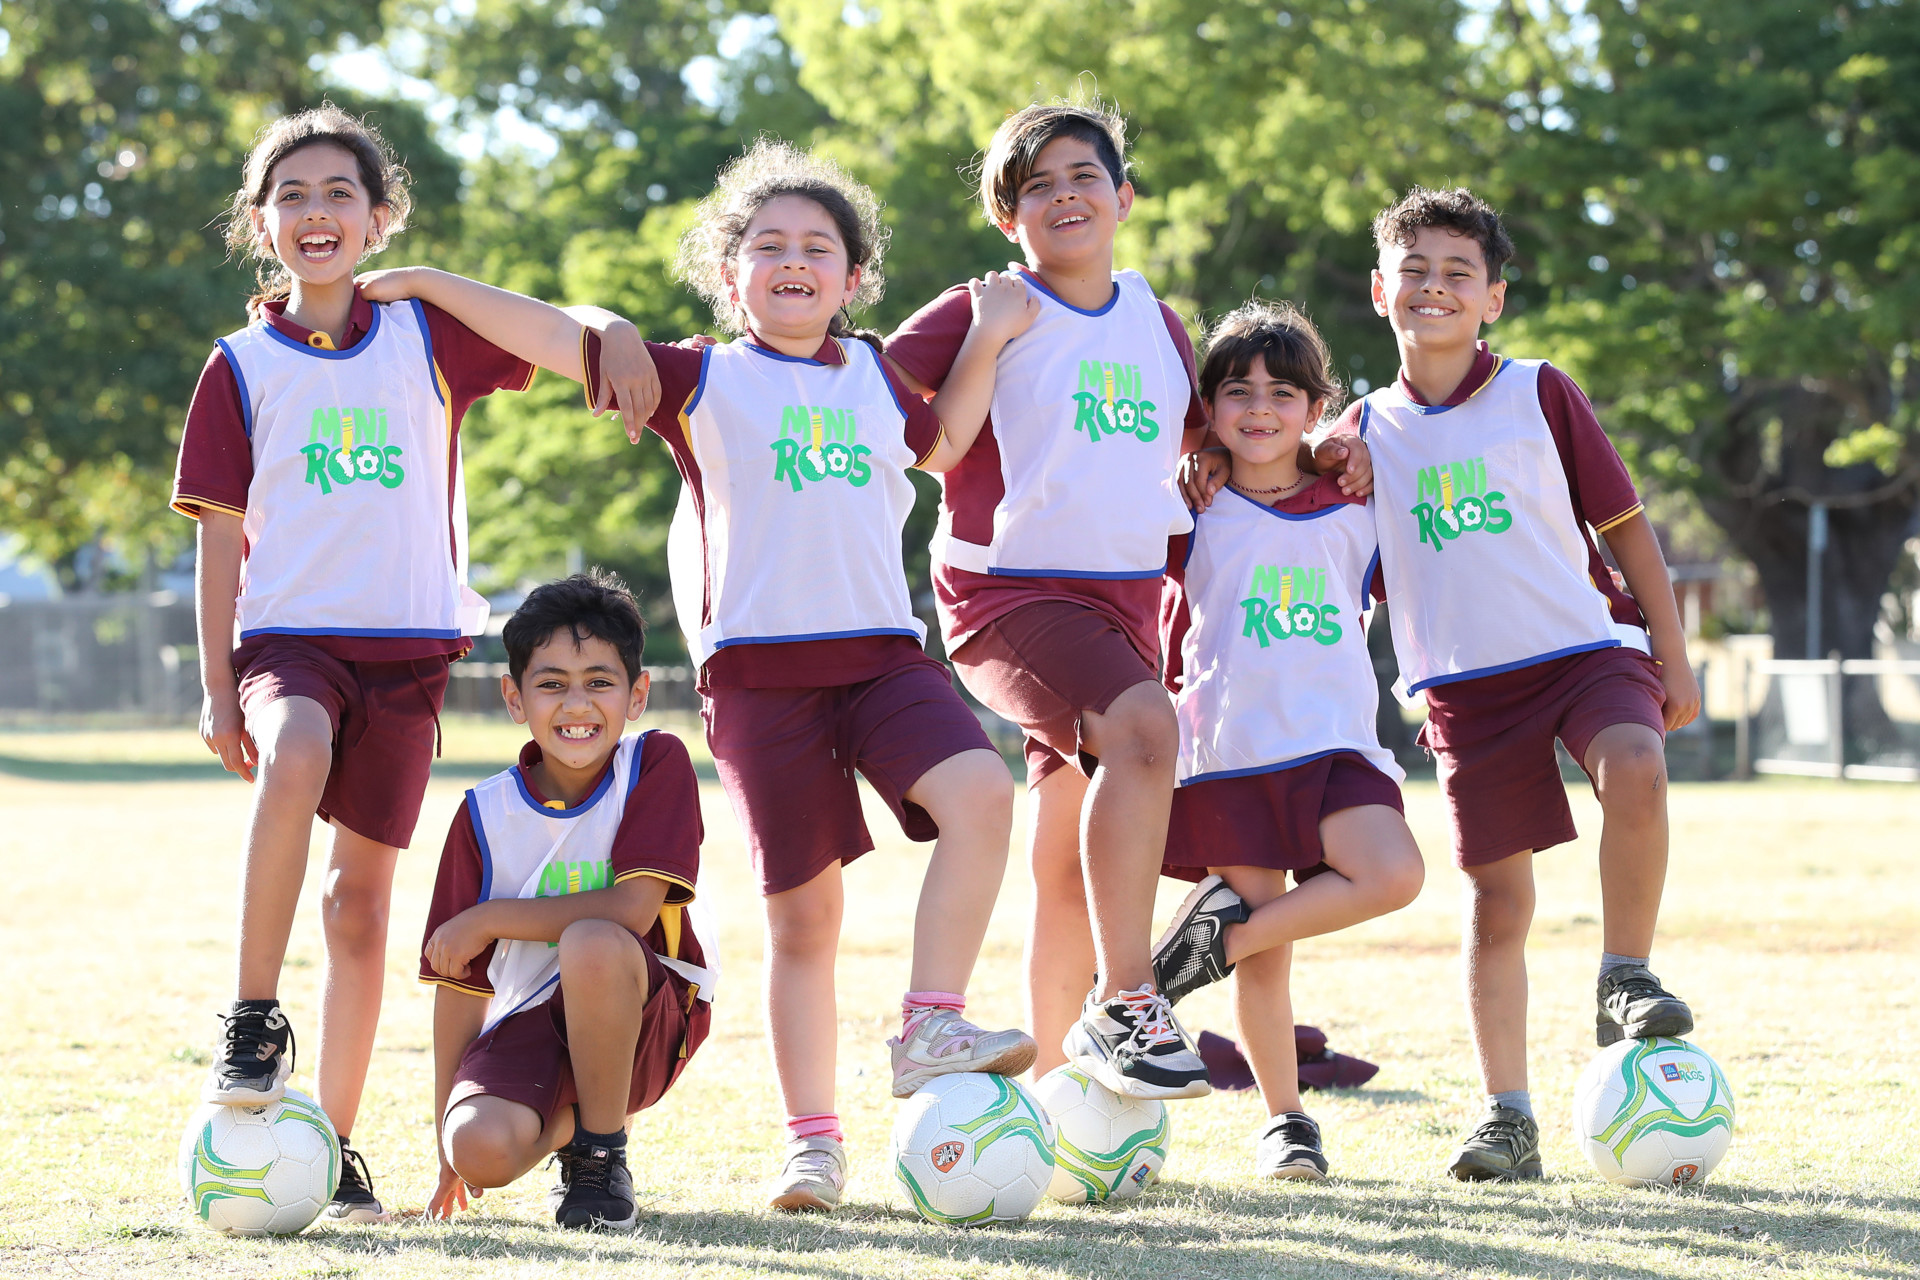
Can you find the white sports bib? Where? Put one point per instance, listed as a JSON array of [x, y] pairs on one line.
[[1485, 565], [531, 851], [350, 528], [1275, 662], [803, 470], [1088, 411]]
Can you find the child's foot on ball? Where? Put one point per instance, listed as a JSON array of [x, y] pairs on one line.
[[595, 1191], [813, 1177], [1290, 1148], [255, 1056], [1192, 953], [1505, 1146], [1134, 1046], [353, 1200], [1634, 1006], [943, 1042]]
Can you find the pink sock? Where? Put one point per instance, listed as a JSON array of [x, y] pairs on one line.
[[916, 1005], [824, 1124]]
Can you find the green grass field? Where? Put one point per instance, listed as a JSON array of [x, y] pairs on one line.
[[1793, 927]]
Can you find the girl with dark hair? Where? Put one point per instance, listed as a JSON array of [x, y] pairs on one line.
[[794, 443], [321, 459]]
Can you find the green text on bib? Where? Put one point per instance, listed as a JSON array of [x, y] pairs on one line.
[[1454, 499], [816, 444], [1110, 404], [345, 446], [1289, 603]]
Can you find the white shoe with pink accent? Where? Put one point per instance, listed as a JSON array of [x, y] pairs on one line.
[[943, 1043]]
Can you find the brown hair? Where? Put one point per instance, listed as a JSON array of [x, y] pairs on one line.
[[1018, 142], [1457, 210], [384, 179], [1280, 334], [771, 169]]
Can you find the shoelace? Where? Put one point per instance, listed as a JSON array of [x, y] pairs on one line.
[[247, 1032], [353, 1170], [1152, 1020], [589, 1171], [1638, 984], [814, 1163], [1299, 1133], [1501, 1131]]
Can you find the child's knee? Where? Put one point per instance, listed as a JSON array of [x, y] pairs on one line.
[[296, 755], [1401, 880], [595, 951], [1139, 733], [482, 1154], [803, 921], [353, 914], [1631, 773], [1500, 906], [975, 791]]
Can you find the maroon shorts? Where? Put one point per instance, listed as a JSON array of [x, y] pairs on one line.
[[385, 718], [524, 1059], [1044, 665], [787, 757], [1493, 740], [1269, 819]]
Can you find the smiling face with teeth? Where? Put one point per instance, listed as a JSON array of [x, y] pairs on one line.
[[575, 697], [317, 217], [1067, 211], [1435, 292], [791, 274]]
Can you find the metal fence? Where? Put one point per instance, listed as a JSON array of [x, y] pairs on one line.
[[84, 655], [1853, 718]]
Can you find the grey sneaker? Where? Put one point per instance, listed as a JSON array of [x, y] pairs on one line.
[[1192, 953], [813, 1177], [1633, 1005], [353, 1200], [1504, 1147], [253, 1063], [1134, 1046], [944, 1042], [1290, 1148]]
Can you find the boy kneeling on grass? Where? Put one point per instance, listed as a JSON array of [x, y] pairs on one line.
[[573, 987]]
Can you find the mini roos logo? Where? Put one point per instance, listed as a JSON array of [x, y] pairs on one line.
[[1675, 1072], [1288, 603], [1685, 1173], [816, 444], [347, 446], [1109, 402], [558, 879], [1454, 500], [947, 1155]]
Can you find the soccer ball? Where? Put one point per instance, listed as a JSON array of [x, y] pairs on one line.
[[260, 1171], [971, 1148], [1109, 1147], [1653, 1113]]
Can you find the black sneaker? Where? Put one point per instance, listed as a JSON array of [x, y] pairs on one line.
[[1290, 1148], [1134, 1046], [595, 1191], [1504, 1147], [1633, 1005], [252, 1066], [353, 1200], [1192, 953]]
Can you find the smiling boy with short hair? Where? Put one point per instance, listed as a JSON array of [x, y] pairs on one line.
[[573, 987]]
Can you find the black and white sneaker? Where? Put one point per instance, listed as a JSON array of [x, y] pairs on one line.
[[1192, 953], [1503, 1147], [353, 1200], [255, 1058], [595, 1191], [1634, 1006], [1290, 1148], [1134, 1046]]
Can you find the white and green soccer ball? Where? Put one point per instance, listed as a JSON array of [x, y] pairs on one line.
[[1109, 1147], [972, 1148], [260, 1171], [1653, 1113]]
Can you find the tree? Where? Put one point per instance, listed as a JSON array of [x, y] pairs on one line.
[[1716, 207]]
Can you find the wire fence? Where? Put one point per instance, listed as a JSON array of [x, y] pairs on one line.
[[1853, 718]]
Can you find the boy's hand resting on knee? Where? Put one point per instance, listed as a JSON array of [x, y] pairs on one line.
[[451, 1194], [455, 943]]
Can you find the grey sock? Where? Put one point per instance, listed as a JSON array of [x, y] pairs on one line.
[[1609, 962], [1518, 1099]]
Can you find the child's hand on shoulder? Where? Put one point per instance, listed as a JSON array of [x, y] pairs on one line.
[[455, 943], [392, 284], [1201, 475], [1348, 454], [1003, 306], [629, 383]]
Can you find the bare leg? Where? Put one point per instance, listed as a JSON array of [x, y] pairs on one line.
[[295, 741], [1060, 961], [354, 906], [1499, 912], [604, 975], [970, 797], [490, 1142], [1262, 1000], [1629, 769], [1124, 829], [1376, 868], [803, 936]]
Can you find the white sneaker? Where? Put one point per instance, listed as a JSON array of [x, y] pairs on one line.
[[1134, 1046], [813, 1177], [944, 1042]]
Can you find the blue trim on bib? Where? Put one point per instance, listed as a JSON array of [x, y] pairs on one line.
[[1268, 768], [1039, 284], [401, 633], [1278, 514], [1505, 667], [699, 387], [366, 341], [818, 635], [480, 838], [1366, 412], [1131, 575], [639, 749], [545, 811], [886, 376], [771, 354], [1366, 581], [1428, 410], [426, 337], [530, 1001], [239, 380]]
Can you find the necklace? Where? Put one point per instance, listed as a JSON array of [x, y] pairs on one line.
[[1279, 488]]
